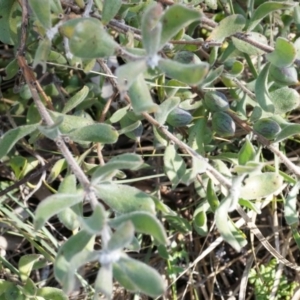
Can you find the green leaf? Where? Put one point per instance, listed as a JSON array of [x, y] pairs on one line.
[[42, 53], [187, 73], [124, 198], [41, 10], [248, 48], [261, 185], [128, 161], [54, 204], [98, 133], [6, 7], [11, 137], [200, 223], [119, 114], [174, 165], [264, 9], [140, 97], [25, 265], [110, 9], [5, 286], [128, 73], [11, 69], [88, 33], [262, 91], [285, 75], [288, 131], [291, 213], [143, 222], [247, 152], [51, 293], [227, 27], [174, 19], [95, 223], [104, 281], [165, 108], [122, 237], [55, 6], [131, 128], [52, 131], [70, 122], [74, 101], [284, 53], [120, 275], [178, 223], [74, 245], [211, 196], [223, 224], [56, 170], [284, 100], [146, 279], [151, 28]]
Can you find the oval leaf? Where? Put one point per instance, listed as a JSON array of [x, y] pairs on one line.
[[140, 96], [187, 73], [88, 33], [264, 9], [284, 53], [11, 137], [145, 278], [287, 132], [262, 91], [261, 185], [110, 9], [143, 222], [75, 100], [98, 133], [54, 204], [41, 10], [227, 27], [124, 198], [176, 18]]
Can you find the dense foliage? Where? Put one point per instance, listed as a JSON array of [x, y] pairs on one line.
[[159, 128]]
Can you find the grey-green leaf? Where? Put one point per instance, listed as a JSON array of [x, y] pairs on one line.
[[223, 224], [261, 185], [174, 165], [110, 9], [124, 198], [128, 73], [94, 223], [11, 137], [227, 27], [285, 100], [122, 237], [88, 33], [151, 28], [262, 91], [98, 133], [187, 73], [165, 108], [128, 161], [41, 10], [291, 213], [143, 222], [54, 204], [284, 53], [288, 131], [145, 278], [176, 18], [140, 96], [75, 100], [51, 293], [266, 8]]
